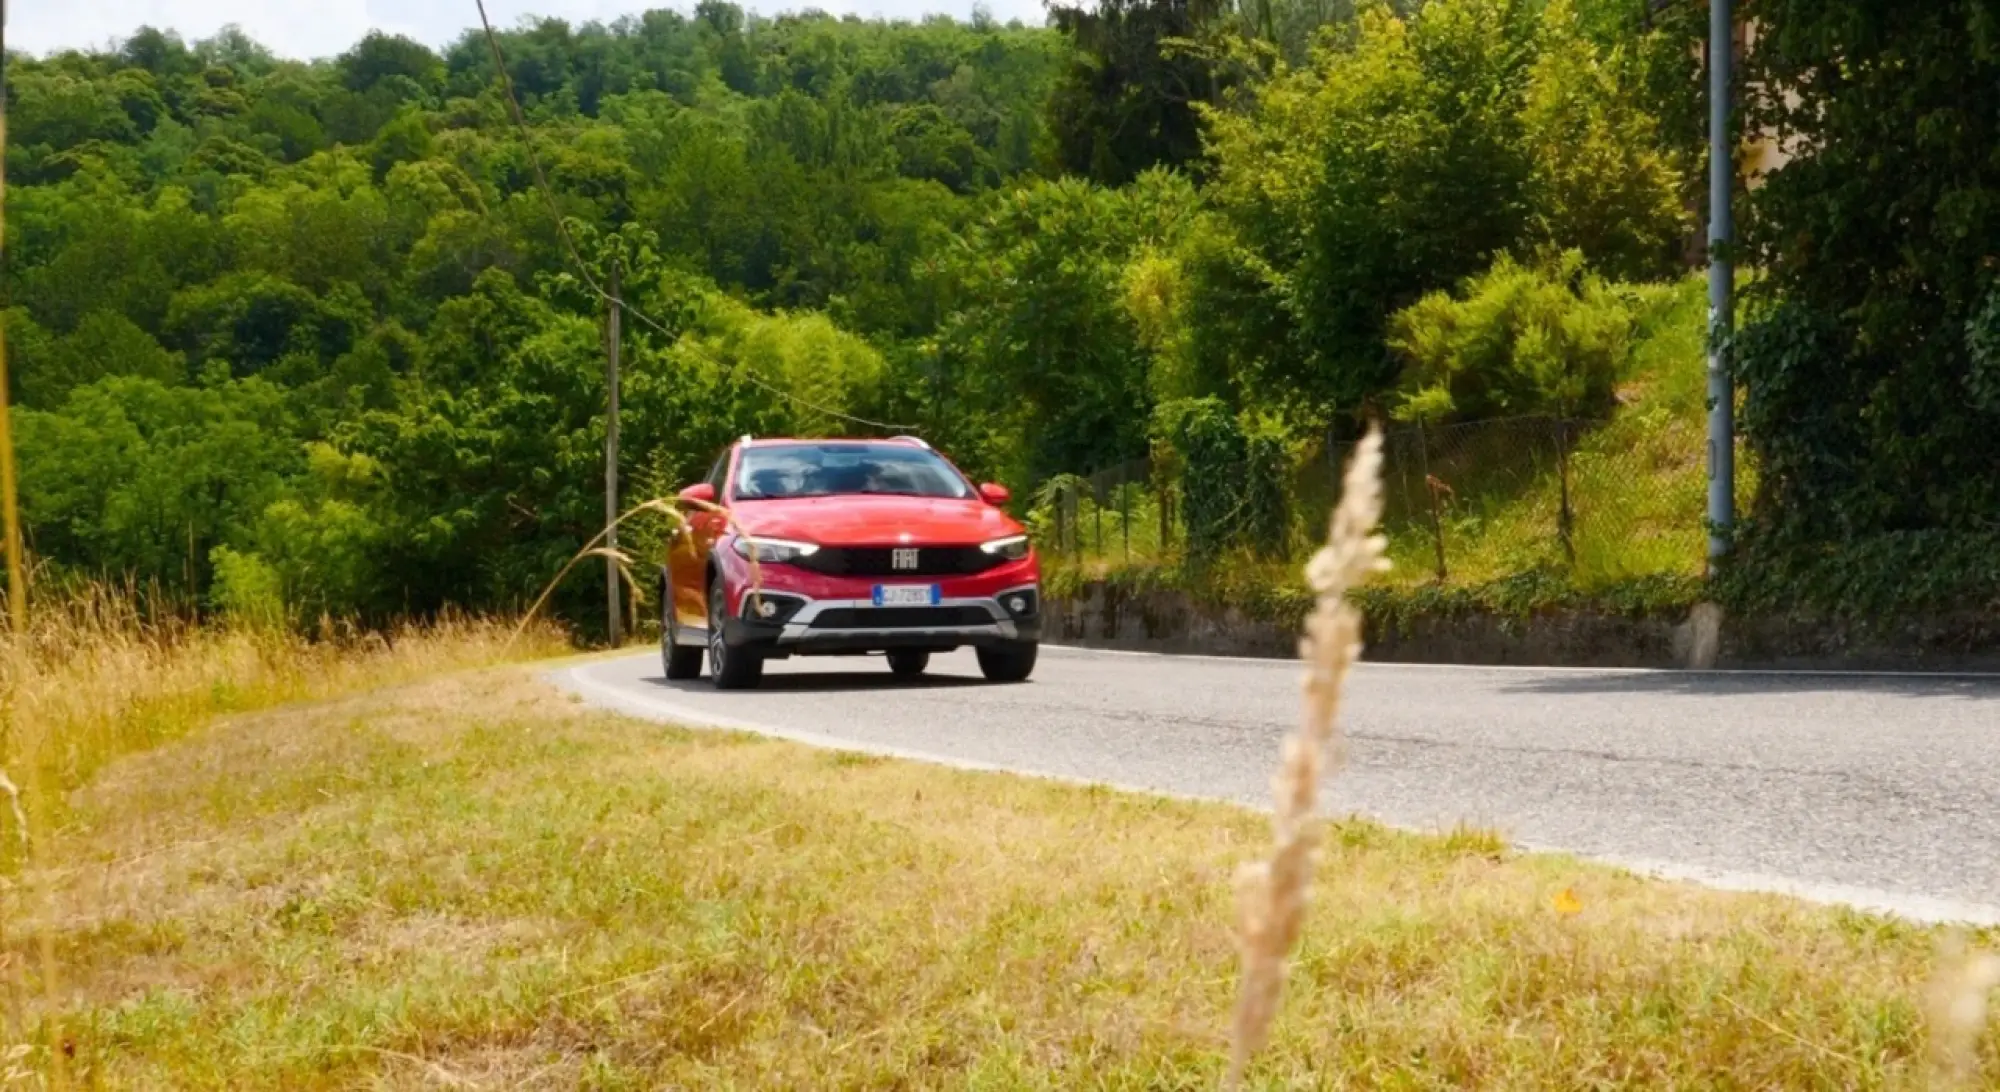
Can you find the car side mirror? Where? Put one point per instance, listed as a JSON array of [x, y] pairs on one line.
[[995, 495], [699, 493]]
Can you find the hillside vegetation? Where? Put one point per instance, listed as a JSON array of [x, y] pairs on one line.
[[291, 339], [300, 338]]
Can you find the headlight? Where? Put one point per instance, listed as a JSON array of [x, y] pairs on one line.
[[773, 551], [1013, 547]]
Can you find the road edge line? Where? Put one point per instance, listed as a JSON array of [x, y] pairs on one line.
[[1917, 909], [1377, 665]]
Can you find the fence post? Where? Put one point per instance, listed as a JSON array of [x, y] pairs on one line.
[[1431, 491], [1097, 509], [1125, 508], [1075, 519], [1565, 517]]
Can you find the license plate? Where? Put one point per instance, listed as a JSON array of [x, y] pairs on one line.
[[906, 595]]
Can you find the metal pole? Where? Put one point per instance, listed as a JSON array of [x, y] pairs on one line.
[[615, 616], [1721, 283]]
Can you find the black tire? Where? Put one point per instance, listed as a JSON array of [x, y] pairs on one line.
[[681, 661], [907, 663], [1007, 663], [728, 668]]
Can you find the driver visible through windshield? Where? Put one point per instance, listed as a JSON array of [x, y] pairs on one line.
[[783, 471]]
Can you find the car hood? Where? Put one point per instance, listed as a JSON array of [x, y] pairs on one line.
[[875, 521]]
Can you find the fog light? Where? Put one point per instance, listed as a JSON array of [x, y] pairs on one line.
[[1016, 604], [766, 608]]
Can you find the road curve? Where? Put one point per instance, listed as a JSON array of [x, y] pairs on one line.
[[1881, 792]]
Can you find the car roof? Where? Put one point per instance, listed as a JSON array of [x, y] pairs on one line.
[[900, 441]]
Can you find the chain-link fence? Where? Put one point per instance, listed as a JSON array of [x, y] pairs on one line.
[[1123, 512], [1464, 503]]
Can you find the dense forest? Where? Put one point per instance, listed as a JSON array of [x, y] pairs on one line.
[[293, 339]]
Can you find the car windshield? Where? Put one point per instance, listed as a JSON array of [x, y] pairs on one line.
[[778, 471]]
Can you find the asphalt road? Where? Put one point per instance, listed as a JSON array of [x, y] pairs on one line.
[[1876, 791]]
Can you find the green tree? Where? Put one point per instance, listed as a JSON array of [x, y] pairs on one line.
[[132, 477], [1601, 181], [1394, 166], [1129, 97], [378, 57], [1861, 385], [327, 305], [1040, 345]]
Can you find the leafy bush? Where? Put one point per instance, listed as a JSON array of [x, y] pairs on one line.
[[1549, 339], [1880, 578], [1406, 157], [1210, 450], [1600, 181], [1863, 392], [1982, 341], [248, 590], [1265, 520]]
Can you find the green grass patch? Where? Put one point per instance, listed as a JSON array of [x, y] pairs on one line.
[[1637, 484]]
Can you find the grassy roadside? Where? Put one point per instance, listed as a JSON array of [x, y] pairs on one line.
[[93, 679], [473, 882]]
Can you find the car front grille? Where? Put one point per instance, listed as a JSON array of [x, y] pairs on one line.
[[900, 617], [881, 561]]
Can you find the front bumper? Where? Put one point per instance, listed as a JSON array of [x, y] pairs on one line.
[[822, 615]]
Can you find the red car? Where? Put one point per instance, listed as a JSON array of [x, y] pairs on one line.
[[862, 546]]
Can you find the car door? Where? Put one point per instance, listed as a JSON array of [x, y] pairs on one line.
[[687, 564]]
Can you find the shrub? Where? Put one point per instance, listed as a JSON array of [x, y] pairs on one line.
[[248, 589], [1265, 522], [1519, 339], [1210, 445]]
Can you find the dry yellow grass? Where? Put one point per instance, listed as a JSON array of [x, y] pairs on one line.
[[472, 882], [91, 679]]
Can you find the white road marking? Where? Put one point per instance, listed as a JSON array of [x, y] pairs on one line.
[[1922, 909], [1396, 665]]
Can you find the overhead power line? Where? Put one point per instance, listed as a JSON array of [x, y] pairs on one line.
[[576, 257]]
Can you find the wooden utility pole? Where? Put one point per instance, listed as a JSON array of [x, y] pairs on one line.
[[10, 511], [17, 595], [615, 617]]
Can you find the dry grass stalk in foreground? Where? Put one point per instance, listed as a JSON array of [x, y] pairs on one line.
[[660, 505], [1272, 894], [1959, 993]]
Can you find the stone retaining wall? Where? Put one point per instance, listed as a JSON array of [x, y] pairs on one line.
[[1107, 616]]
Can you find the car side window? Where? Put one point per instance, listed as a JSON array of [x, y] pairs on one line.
[[718, 473]]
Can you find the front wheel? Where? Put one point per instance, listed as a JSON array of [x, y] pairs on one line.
[[908, 665], [728, 668], [1007, 663]]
